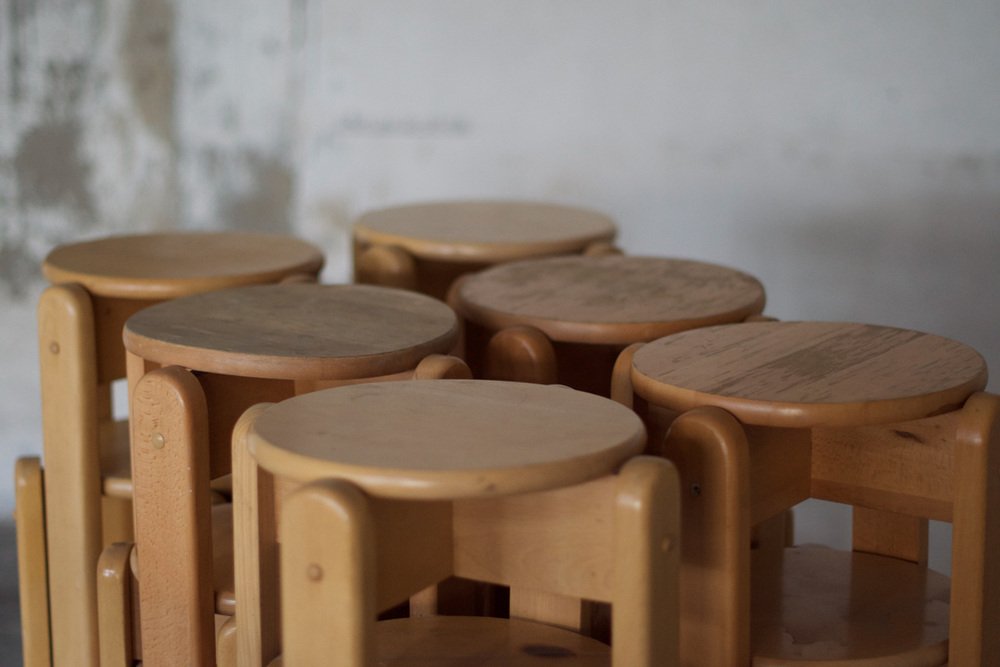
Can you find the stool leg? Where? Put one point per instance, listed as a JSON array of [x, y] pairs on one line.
[[255, 552], [114, 605], [32, 577], [173, 519], [68, 360], [975, 584], [327, 575], [710, 451], [388, 266], [521, 354]]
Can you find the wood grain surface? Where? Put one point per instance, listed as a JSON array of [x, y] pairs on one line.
[[299, 332], [447, 439], [806, 374], [609, 300], [484, 231], [822, 604], [163, 266]]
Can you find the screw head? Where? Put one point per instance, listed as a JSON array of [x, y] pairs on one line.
[[54, 347], [158, 441], [314, 572]]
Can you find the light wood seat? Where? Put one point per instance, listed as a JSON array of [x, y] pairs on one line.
[[566, 319], [508, 483], [803, 611], [889, 421], [427, 246], [96, 286], [195, 364], [463, 640]]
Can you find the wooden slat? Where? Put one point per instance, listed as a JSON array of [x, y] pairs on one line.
[[114, 595], [73, 477], [172, 517], [32, 570]]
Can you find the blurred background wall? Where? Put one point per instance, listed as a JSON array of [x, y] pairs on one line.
[[847, 153]]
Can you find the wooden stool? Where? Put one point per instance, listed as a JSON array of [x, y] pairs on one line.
[[425, 247], [566, 319], [883, 419], [222, 352], [385, 489], [97, 285]]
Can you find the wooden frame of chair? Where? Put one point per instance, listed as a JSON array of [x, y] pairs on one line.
[[943, 467], [181, 426], [613, 539]]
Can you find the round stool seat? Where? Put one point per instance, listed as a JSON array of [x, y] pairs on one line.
[[486, 232], [446, 440], [164, 266], [828, 607], [463, 640], [459, 641], [295, 331], [608, 300], [807, 374]]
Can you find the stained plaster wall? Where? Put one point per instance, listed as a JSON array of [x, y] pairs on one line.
[[847, 153]]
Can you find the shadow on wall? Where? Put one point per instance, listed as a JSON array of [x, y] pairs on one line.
[[926, 263]]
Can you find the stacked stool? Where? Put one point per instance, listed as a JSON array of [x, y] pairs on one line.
[[888, 420], [425, 247], [194, 365], [391, 487], [565, 319], [96, 286]]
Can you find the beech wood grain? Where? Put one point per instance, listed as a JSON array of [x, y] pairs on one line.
[[484, 231], [608, 299], [808, 374], [446, 440], [163, 266], [298, 332]]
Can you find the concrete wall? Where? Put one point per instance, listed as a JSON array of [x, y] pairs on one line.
[[847, 153]]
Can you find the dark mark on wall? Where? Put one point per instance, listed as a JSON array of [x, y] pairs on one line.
[[266, 207], [66, 82], [18, 268], [147, 54], [50, 170]]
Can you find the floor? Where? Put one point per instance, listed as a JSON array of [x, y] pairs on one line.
[[10, 623]]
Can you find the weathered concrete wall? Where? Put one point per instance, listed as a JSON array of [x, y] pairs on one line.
[[847, 153]]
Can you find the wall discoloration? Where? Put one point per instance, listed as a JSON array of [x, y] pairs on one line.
[[18, 269], [51, 170], [266, 205], [147, 54]]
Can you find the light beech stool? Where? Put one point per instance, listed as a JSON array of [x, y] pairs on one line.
[[425, 247], [566, 319], [384, 489], [96, 286], [194, 365], [890, 421]]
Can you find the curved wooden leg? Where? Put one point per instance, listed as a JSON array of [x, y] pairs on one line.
[[388, 266], [173, 525], [255, 552], [710, 450], [225, 644], [521, 354], [68, 359], [647, 560], [32, 574], [114, 596], [328, 576], [442, 367], [601, 249], [621, 376], [975, 583]]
